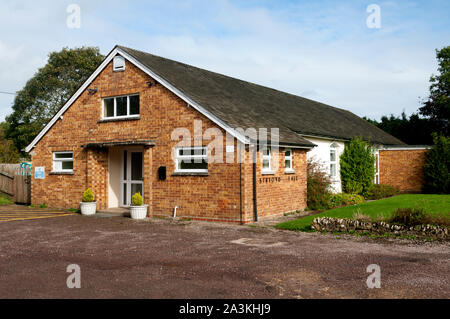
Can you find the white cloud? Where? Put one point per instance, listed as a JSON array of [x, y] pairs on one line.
[[322, 51]]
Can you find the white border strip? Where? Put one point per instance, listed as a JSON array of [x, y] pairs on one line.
[[406, 148]]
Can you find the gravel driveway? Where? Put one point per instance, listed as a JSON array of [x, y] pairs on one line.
[[123, 258]]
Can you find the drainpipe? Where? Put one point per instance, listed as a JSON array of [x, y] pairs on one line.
[[175, 211], [255, 206]]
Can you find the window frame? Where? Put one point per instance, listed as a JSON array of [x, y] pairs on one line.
[[115, 116], [377, 168], [116, 59], [289, 169], [333, 149], [179, 158], [62, 170], [266, 157]]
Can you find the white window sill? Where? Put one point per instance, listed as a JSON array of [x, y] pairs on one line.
[[267, 172], [190, 173], [289, 171], [119, 118]]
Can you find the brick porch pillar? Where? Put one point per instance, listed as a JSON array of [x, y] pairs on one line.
[[148, 178]]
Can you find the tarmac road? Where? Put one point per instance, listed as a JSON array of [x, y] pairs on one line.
[[122, 258]]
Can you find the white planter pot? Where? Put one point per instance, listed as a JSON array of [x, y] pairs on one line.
[[88, 208], [138, 212]]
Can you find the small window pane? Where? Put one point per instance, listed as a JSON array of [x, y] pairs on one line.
[[63, 155], [287, 153], [136, 166], [266, 164], [125, 195], [333, 169], [134, 104], [67, 165], [121, 106], [109, 107], [332, 155], [287, 164], [188, 164]]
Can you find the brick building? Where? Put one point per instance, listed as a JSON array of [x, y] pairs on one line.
[[186, 138]]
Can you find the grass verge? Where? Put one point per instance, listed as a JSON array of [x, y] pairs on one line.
[[5, 200], [379, 209]]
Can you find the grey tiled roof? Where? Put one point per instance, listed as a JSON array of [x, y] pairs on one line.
[[243, 104]]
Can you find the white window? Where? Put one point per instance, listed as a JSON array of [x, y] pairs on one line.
[[266, 160], [192, 159], [118, 63], [377, 169], [288, 160], [63, 162], [126, 106], [333, 163]]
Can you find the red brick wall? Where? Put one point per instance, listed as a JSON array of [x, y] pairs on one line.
[[402, 168], [217, 196]]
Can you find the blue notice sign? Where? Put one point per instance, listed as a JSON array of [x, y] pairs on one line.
[[39, 172]]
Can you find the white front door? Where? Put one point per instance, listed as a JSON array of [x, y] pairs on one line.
[[132, 176]]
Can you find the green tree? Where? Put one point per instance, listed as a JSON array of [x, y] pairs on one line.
[[48, 90], [437, 106], [437, 165], [411, 130], [8, 152], [357, 167]]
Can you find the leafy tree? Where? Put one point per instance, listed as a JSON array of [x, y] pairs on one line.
[[437, 166], [8, 152], [48, 90], [357, 167], [437, 107], [411, 130]]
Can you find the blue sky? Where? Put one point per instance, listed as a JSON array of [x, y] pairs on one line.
[[322, 50]]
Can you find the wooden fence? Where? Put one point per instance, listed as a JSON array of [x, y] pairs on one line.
[[16, 182]]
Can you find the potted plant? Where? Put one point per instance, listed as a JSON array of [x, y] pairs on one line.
[[88, 206], [138, 209]]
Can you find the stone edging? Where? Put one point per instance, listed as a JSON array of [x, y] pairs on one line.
[[380, 228]]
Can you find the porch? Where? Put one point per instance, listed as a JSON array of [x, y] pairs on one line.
[[118, 170]]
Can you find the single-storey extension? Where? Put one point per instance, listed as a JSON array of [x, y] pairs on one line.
[[208, 145]]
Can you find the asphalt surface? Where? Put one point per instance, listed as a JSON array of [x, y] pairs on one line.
[[122, 258]]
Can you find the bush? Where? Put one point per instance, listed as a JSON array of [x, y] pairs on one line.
[[437, 167], [378, 191], [137, 199], [409, 217], [318, 186], [344, 199], [357, 167], [88, 195]]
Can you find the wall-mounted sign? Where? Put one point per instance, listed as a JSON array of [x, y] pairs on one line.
[[39, 172]]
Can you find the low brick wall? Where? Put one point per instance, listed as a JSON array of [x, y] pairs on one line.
[[345, 225]]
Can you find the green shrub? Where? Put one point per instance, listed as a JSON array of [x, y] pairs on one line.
[[318, 186], [416, 216], [137, 199], [344, 199], [357, 167], [43, 205], [88, 195], [378, 191], [409, 217], [437, 167]]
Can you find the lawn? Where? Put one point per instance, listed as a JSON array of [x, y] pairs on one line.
[[4, 200], [432, 204]]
